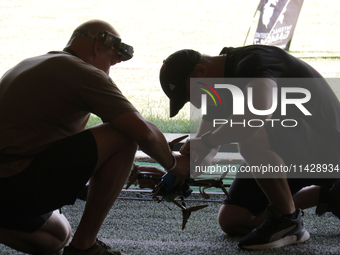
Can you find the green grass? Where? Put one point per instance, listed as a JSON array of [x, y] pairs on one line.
[[165, 124]]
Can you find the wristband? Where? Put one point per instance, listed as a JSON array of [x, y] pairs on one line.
[[205, 141], [175, 164]]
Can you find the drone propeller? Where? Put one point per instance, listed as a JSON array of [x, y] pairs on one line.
[[176, 141], [169, 192], [225, 191], [222, 186], [224, 175], [202, 192], [187, 213], [210, 183]]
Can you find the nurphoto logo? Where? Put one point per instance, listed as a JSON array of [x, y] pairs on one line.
[[280, 97]]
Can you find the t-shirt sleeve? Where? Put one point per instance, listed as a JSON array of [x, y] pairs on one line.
[[258, 65], [98, 94], [257, 62]]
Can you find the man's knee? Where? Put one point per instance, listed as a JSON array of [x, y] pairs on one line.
[[107, 136], [58, 232], [234, 220], [50, 238], [111, 141], [258, 144], [226, 222]]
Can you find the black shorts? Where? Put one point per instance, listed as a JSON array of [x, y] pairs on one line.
[[300, 145], [54, 179]]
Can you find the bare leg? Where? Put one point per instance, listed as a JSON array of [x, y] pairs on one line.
[[257, 152], [236, 220], [50, 238], [307, 197], [115, 158], [278, 193]]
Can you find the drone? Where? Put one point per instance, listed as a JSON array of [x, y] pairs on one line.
[[165, 190]]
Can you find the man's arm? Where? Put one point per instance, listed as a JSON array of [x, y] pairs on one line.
[[262, 100], [225, 134], [152, 141], [204, 127]]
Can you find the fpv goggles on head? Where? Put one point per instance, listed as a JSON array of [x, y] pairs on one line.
[[109, 40]]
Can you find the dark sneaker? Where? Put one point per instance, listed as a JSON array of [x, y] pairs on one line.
[[99, 248], [276, 231], [334, 201]]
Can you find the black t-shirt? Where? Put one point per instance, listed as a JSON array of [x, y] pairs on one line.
[[259, 61]]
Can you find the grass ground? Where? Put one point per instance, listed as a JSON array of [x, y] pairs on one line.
[[140, 227], [154, 229]]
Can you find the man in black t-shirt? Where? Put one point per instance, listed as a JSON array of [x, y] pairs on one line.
[[290, 123]]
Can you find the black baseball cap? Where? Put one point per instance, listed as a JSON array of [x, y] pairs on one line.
[[174, 71]]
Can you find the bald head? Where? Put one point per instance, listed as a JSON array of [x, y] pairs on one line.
[[86, 42], [96, 25]]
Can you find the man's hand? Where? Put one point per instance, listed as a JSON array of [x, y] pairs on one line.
[[182, 169], [150, 184], [195, 149]]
